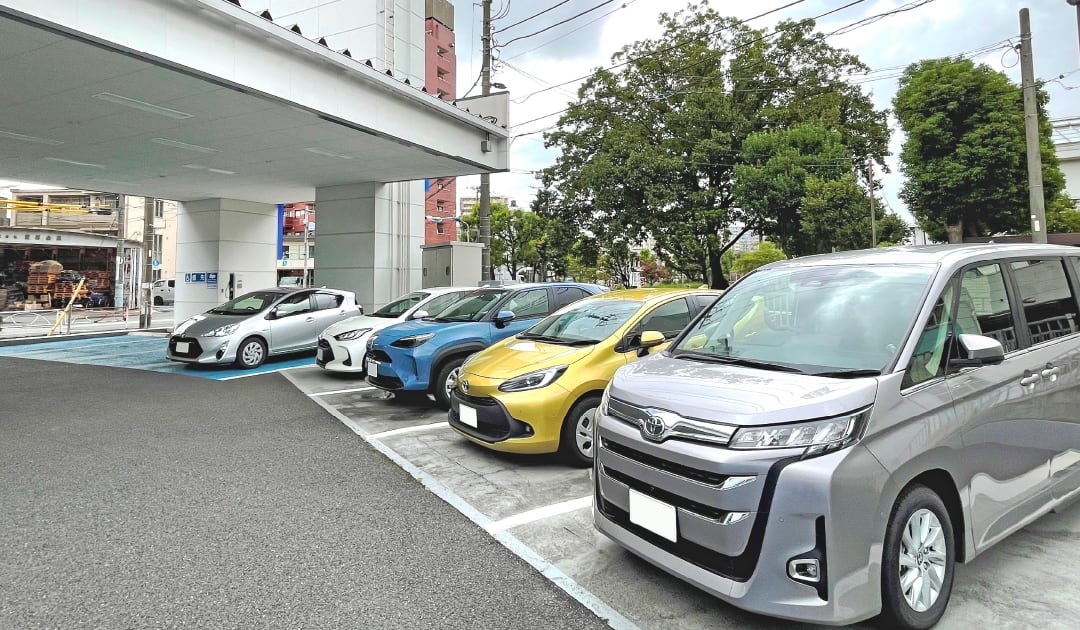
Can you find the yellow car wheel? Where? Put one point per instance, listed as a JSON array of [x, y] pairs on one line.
[[576, 439]]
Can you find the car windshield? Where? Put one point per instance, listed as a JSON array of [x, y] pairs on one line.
[[400, 305], [836, 320], [248, 303], [588, 321], [473, 307]]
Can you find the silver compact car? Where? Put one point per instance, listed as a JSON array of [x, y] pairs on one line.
[[248, 329], [833, 435]]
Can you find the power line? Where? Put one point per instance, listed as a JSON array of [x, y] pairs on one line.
[[535, 15], [548, 28], [569, 33], [674, 47]]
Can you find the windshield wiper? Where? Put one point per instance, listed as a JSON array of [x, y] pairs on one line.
[[728, 360], [544, 338], [850, 373]]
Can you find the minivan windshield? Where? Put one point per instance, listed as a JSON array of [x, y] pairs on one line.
[[473, 307], [248, 303], [587, 322], [400, 305], [842, 320]]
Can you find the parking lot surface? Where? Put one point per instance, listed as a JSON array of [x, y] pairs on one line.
[[226, 437], [134, 499], [140, 351]]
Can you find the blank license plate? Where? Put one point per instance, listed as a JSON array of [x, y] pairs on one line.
[[372, 368], [656, 516], [467, 415], [182, 347]]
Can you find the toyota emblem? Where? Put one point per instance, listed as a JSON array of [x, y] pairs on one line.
[[653, 428], [465, 385]]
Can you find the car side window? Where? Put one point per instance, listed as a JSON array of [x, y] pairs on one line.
[[704, 301], [669, 318], [172, 284], [984, 307], [568, 295], [327, 301], [294, 304], [1048, 302], [528, 304], [930, 358], [443, 302]]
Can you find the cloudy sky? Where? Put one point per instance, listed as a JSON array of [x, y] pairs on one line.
[[574, 49]]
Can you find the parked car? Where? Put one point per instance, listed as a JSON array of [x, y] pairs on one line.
[[343, 345], [259, 324], [836, 432], [163, 291], [424, 356], [537, 392]]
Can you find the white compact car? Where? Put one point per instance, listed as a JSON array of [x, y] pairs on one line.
[[342, 345]]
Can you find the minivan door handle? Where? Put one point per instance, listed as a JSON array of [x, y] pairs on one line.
[[1051, 372], [1030, 378]]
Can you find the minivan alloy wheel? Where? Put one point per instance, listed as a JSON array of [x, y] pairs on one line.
[[923, 555]]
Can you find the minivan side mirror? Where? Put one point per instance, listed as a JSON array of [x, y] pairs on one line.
[[978, 350], [421, 314], [502, 318]]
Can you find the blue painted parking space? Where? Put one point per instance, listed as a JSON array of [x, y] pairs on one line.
[[140, 352]]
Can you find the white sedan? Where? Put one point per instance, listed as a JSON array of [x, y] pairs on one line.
[[342, 345]]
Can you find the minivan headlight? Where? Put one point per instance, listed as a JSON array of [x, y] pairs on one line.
[[412, 341], [222, 331], [533, 380], [349, 335], [817, 436]]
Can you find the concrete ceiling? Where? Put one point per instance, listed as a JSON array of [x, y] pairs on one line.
[[53, 129]]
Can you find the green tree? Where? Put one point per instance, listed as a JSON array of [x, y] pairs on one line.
[[652, 269], [763, 253], [649, 147], [964, 157], [515, 234]]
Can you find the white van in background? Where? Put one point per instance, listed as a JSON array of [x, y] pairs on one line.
[[163, 292]]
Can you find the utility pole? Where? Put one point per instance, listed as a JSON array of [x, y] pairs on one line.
[[1076, 3], [483, 214], [1031, 132], [873, 217], [147, 263]]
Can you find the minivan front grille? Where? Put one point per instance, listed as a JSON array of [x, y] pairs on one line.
[[693, 474]]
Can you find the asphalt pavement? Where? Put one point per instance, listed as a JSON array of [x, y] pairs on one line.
[[135, 499]]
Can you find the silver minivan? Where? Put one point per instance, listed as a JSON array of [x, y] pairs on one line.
[[835, 433]]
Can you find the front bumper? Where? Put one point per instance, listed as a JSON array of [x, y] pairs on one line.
[[521, 422], [338, 356], [793, 508], [397, 370], [203, 350]]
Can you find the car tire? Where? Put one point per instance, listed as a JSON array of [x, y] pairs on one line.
[[919, 535], [440, 388], [158, 301], [576, 437], [251, 353]]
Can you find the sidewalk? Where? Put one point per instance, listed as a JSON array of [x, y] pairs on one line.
[[37, 324]]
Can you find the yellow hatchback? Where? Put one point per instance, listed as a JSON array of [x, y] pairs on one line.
[[536, 392]]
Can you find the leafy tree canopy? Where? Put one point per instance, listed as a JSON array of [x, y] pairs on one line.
[[650, 147], [965, 157]]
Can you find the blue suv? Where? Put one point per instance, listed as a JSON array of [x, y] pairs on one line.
[[424, 356]]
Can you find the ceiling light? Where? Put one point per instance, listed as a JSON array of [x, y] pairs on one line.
[[176, 144], [326, 153], [194, 167], [11, 135], [142, 106], [74, 162], [221, 171]]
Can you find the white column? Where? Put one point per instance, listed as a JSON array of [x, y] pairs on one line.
[[368, 238], [224, 237]]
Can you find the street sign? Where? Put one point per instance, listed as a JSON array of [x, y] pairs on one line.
[[211, 279]]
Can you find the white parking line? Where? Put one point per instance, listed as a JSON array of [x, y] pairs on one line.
[[284, 369], [343, 391], [402, 430], [539, 513]]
